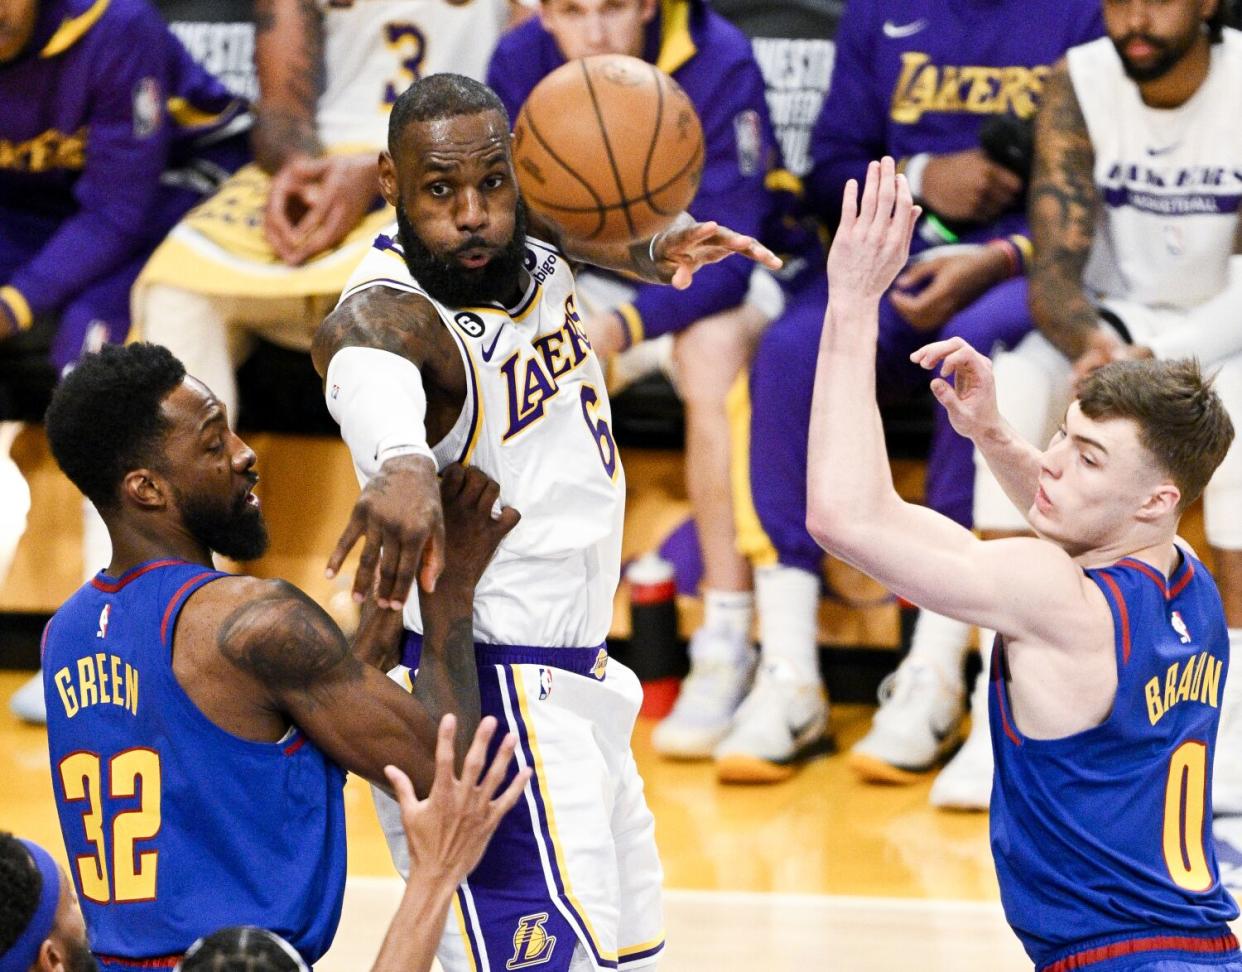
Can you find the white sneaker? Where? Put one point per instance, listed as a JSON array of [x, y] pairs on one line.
[[28, 703], [783, 722], [966, 782], [918, 723], [1227, 761], [721, 668]]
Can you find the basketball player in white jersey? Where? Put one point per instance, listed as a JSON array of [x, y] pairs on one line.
[[459, 338], [1135, 218]]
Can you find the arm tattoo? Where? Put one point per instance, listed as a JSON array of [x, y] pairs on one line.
[[377, 318], [290, 63], [1063, 204], [286, 641]]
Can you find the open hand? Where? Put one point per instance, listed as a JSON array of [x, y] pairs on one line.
[[448, 832], [872, 242], [680, 251], [399, 514]]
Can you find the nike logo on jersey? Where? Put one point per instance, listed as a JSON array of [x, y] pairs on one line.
[[490, 350], [1163, 151], [898, 31]]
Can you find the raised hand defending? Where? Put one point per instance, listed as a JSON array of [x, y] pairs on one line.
[[448, 831], [872, 242]]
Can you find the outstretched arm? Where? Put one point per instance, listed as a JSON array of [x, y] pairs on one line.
[[1019, 586], [671, 256], [1062, 207], [385, 405]]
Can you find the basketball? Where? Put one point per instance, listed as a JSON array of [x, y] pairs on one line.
[[608, 148]]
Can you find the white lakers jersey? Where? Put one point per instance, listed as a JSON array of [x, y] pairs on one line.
[[1169, 180], [375, 49], [537, 420]]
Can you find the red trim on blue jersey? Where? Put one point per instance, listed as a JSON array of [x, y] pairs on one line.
[[1149, 570], [1185, 579], [43, 640], [175, 600], [1217, 945], [1122, 612], [1169, 593], [159, 962], [111, 587], [1000, 702], [294, 746]]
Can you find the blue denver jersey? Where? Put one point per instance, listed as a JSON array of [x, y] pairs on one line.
[[1102, 840], [175, 828]]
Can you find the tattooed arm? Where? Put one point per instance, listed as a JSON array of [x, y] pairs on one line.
[[304, 666], [289, 63], [671, 256], [399, 509], [1063, 203]]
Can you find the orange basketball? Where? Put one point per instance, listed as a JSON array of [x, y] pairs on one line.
[[609, 149]]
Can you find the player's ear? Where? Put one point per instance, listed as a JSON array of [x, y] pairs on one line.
[[388, 178], [143, 488], [1161, 502]]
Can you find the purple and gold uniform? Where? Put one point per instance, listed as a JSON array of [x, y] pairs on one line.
[[174, 827], [1102, 839], [109, 132], [908, 78], [712, 60]]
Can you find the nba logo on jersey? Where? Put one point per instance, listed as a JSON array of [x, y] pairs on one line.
[[1180, 627], [103, 621], [532, 945], [545, 683]]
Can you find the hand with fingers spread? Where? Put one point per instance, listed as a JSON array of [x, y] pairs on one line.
[[970, 398], [446, 834], [872, 241], [681, 250], [399, 514], [474, 523]]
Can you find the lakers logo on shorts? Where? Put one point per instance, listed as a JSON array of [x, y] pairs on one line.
[[532, 945], [601, 664]]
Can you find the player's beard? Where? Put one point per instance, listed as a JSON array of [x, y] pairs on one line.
[[1169, 55], [452, 284], [235, 529]]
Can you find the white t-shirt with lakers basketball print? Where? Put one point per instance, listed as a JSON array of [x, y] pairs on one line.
[[537, 420]]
